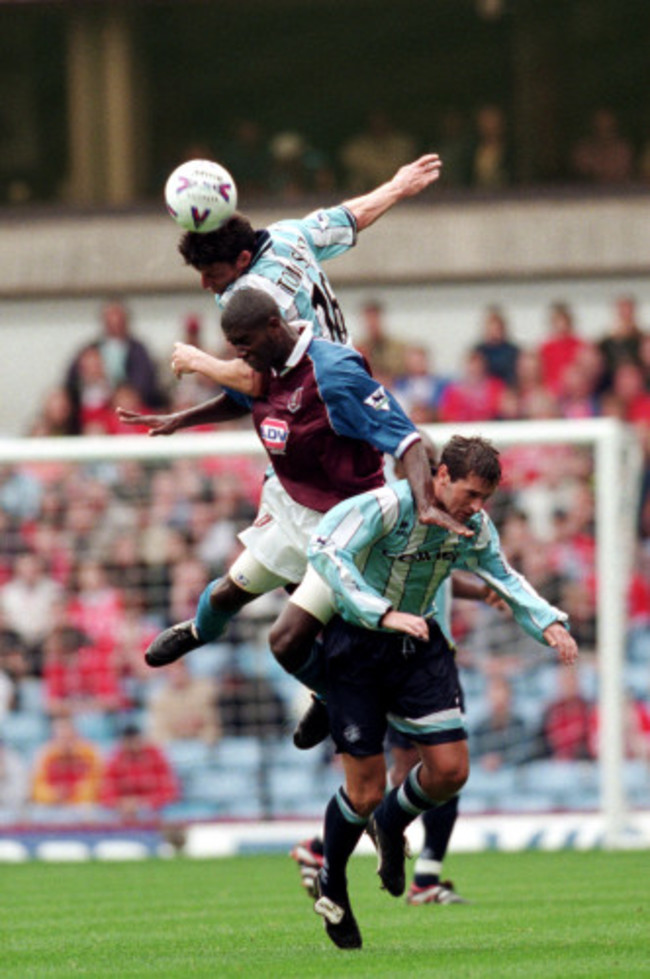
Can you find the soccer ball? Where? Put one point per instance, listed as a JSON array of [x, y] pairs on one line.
[[200, 195]]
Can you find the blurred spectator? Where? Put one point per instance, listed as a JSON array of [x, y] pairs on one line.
[[298, 168], [453, 144], [499, 739], [491, 165], [529, 398], [419, 389], [475, 396], [566, 720], [636, 729], [631, 394], [577, 392], [14, 782], [68, 768], [184, 707], [561, 347], [603, 155], [79, 675], [373, 155], [14, 662], [622, 341], [96, 607], [248, 705], [138, 779], [91, 380], [55, 416], [384, 353], [246, 155], [499, 352], [28, 600]]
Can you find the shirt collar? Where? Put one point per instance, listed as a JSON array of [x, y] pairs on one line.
[[303, 341]]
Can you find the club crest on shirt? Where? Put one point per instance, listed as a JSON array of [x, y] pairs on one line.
[[378, 399], [295, 400], [274, 434]]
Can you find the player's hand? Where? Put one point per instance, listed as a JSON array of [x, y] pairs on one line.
[[415, 177], [435, 517], [412, 625], [494, 600], [157, 424], [184, 359], [561, 640]]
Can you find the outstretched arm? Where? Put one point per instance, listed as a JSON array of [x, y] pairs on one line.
[[409, 180], [235, 374], [219, 409]]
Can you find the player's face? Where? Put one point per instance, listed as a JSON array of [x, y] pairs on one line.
[[258, 347], [461, 498], [218, 276]]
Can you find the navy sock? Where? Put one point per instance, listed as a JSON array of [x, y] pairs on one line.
[[312, 672], [210, 623], [343, 830], [403, 804], [438, 826]]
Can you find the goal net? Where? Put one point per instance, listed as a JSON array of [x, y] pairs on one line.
[[107, 540]]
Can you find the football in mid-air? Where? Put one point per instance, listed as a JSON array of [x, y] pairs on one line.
[[200, 195]]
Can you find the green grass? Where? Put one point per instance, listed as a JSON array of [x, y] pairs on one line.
[[561, 914]]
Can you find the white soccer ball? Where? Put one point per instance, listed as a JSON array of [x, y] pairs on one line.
[[200, 195]]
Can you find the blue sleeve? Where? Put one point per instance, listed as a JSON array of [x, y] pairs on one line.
[[533, 613], [357, 405], [239, 398]]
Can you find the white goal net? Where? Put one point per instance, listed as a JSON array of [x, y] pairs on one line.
[[108, 540]]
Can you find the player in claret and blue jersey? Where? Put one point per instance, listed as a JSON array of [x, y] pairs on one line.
[[326, 425]]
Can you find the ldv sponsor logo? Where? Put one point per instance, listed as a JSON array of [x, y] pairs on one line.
[[274, 433]]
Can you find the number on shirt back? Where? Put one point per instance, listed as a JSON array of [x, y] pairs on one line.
[[328, 311]]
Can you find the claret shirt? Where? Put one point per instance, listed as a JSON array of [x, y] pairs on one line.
[[325, 423]]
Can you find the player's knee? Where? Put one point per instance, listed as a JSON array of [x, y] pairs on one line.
[[366, 797]]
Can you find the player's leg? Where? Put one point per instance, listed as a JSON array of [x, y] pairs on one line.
[[295, 644], [425, 704], [358, 728], [427, 887], [245, 581]]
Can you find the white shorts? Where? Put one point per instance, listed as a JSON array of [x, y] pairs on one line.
[[276, 552], [279, 536]]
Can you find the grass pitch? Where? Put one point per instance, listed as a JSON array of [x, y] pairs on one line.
[[561, 914]]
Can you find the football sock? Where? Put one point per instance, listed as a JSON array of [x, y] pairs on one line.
[[403, 804], [312, 672], [343, 830], [209, 622], [438, 826]]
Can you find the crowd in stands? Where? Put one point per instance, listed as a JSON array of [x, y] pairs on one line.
[[477, 149], [97, 558]]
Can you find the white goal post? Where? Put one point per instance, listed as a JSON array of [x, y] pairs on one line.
[[617, 477]]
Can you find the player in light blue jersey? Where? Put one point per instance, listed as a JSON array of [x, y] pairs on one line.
[[389, 662], [284, 260]]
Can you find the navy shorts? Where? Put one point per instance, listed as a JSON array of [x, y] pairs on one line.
[[375, 678]]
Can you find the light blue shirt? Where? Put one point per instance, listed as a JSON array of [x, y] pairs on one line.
[[287, 267], [377, 556]]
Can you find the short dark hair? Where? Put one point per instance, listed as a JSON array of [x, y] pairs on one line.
[[251, 308], [223, 245], [476, 455]]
